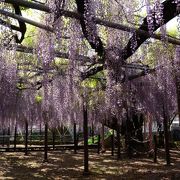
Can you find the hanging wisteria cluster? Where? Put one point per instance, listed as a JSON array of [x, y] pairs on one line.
[[62, 92], [155, 92]]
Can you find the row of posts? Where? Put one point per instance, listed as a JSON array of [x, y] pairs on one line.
[[85, 130]]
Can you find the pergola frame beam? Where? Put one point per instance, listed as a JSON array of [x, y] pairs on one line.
[[144, 68], [26, 20], [140, 32], [29, 4], [80, 58], [75, 15]]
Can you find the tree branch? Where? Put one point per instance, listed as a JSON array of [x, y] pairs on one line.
[[140, 36], [22, 25], [13, 27], [89, 29], [169, 12], [23, 19]]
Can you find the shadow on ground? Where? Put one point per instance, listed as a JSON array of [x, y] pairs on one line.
[[66, 165]]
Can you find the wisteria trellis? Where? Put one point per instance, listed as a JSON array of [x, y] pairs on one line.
[[63, 91]]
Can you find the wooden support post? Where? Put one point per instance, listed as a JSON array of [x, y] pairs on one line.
[[161, 137], [92, 133], [40, 132], [99, 144], [26, 138], [31, 135], [155, 148], [8, 139], [102, 139], [128, 135], [144, 126], [112, 143], [15, 137], [129, 151], [46, 143], [85, 128], [166, 136], [53, 138], [150, 130], [3, 137], [75, 139], [118, 144]]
